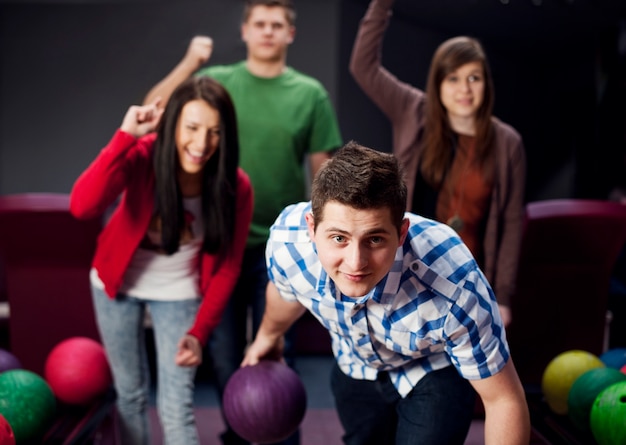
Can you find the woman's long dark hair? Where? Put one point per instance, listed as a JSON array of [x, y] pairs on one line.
[[439, 137], [219, 176]]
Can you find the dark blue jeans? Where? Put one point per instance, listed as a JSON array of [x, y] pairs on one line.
[[229, 340], [437, 411]]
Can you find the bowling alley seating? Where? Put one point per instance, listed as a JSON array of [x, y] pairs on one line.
[[569, 250], [46, 254], [4, 308]]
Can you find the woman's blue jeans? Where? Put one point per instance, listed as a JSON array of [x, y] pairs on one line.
[[437, 411], [121, 325]]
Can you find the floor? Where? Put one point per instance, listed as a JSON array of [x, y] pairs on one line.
[[320, 425]]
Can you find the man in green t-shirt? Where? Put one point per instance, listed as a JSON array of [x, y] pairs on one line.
[[283, 117]]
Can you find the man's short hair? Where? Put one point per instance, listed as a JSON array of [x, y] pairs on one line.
[[287, 5], [362, 178]]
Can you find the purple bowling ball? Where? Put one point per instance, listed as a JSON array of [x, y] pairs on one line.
[[8, 361], [264, 403]]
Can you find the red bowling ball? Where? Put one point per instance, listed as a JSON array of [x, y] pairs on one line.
[[6, 433], [77, 370]]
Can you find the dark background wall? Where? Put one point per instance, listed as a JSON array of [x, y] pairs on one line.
[[558, 77], [69, 69]]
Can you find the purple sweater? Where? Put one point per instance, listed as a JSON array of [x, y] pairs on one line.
[[403, 104]]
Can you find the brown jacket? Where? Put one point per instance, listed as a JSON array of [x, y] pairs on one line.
[[403, 104]]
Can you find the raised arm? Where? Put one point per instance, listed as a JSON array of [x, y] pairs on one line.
[[140, 120], [107, 175], [198, 53], [385, 90], [507, 421], [279, 315], [316, 160]]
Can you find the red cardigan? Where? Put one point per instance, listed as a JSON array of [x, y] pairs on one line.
[[124, 167]]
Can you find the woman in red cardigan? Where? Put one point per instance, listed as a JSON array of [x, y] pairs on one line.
[[173, 247], [463, 166]]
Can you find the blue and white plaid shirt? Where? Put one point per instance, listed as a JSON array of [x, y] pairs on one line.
[[435, 307]]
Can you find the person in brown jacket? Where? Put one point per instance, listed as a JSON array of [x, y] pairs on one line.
[[463, 166]]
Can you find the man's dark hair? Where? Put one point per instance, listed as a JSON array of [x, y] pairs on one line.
[[287, 5], [361, 178]]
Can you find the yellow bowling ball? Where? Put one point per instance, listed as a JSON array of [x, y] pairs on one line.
[[562, 372]]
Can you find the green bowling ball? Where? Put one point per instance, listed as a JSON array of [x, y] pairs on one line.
[[608, 415], [27, 403], [584, 391]]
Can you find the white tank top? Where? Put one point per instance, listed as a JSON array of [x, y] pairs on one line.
[[153, 275]]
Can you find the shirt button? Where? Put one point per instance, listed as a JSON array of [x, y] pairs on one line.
[[415, 266], [358, 307]]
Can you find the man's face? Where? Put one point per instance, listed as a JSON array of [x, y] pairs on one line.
[[267, 33], [356, 247]]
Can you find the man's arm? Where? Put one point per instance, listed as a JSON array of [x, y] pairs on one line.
[[507, 420], [198, 53], [278, 317], [316, 160]]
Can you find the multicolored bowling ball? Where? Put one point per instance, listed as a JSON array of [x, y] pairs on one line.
[[608, 415], [8, 361], [27, 403], [584, 392]]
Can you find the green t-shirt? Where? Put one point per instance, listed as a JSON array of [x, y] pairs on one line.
[[280, 120]]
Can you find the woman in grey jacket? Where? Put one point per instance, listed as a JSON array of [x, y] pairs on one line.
[[462, 165]]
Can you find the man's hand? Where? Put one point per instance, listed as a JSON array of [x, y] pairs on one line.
[[278, 317], [189, 351], [264, 347], [199, 52]]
